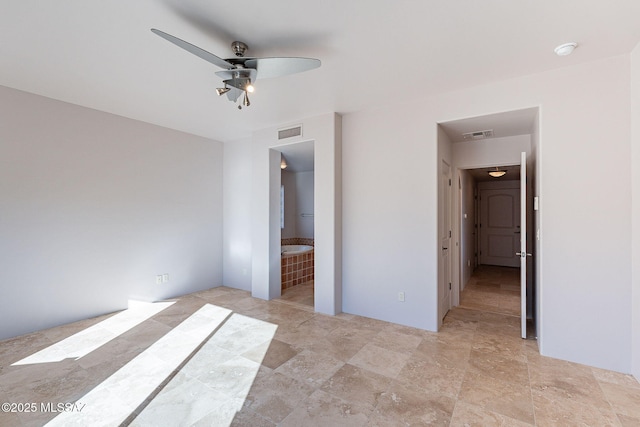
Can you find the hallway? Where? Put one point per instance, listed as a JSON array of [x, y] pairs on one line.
[[493, 289]]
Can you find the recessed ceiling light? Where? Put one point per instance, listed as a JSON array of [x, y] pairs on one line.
[[565, 49]]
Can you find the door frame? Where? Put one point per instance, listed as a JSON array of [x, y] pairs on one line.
[[445, 246]]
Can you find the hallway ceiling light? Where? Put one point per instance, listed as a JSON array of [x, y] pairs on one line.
[[565, 49], [283, 163], [497, 173]]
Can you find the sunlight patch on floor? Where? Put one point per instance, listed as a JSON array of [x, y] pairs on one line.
[[116, 398], [88, 340], [214, 384]]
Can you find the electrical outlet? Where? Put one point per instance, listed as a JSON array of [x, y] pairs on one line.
[[165, 278], [401, 296], [158, 279]]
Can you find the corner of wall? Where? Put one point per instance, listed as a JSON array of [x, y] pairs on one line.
[[635, 207]]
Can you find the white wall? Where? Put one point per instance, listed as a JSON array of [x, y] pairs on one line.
[[390, 192], [93, 206], [390, 215], [237, 214], [635, 162]]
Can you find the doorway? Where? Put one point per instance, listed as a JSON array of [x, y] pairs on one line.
[[297, 223], [266, 148], [475, 146], [498, 281], [492, 214]]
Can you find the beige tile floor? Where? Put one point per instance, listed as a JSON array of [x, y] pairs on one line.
[[320, 370], [493, 289]]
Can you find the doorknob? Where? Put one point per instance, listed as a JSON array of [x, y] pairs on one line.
[[522, 254]]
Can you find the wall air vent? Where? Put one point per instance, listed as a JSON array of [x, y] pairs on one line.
[[290, 132], [479, 134]]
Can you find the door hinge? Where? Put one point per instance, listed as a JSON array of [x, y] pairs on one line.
[[449, 285], [449, 233], [449, 182]]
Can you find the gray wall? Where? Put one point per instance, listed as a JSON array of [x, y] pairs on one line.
[[298, 200], [93, 206], [288, 180], [304, 204]]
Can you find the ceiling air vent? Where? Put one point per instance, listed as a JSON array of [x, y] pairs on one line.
[[290, 132], [479, 134]]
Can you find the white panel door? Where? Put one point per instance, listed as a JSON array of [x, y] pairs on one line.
[[499, 226], [523, 245]]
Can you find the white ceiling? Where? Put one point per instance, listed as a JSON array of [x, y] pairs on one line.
[[509, 123], [101, 54]]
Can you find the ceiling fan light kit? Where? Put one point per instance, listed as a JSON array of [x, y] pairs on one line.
[[239, 73]]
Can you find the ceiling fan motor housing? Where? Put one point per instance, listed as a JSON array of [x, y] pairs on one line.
[[239, 48]]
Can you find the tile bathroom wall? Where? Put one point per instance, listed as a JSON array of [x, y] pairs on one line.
[[297, 269]]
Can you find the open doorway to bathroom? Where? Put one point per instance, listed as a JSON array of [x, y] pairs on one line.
[[297, 223]]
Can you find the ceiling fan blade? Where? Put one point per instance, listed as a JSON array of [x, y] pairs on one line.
[[276, 67], [207, 56]]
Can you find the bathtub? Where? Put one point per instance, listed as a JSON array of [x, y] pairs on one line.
[[295, 249], [296, 265]]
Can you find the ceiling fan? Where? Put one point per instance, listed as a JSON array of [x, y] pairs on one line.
[[239, 73]]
